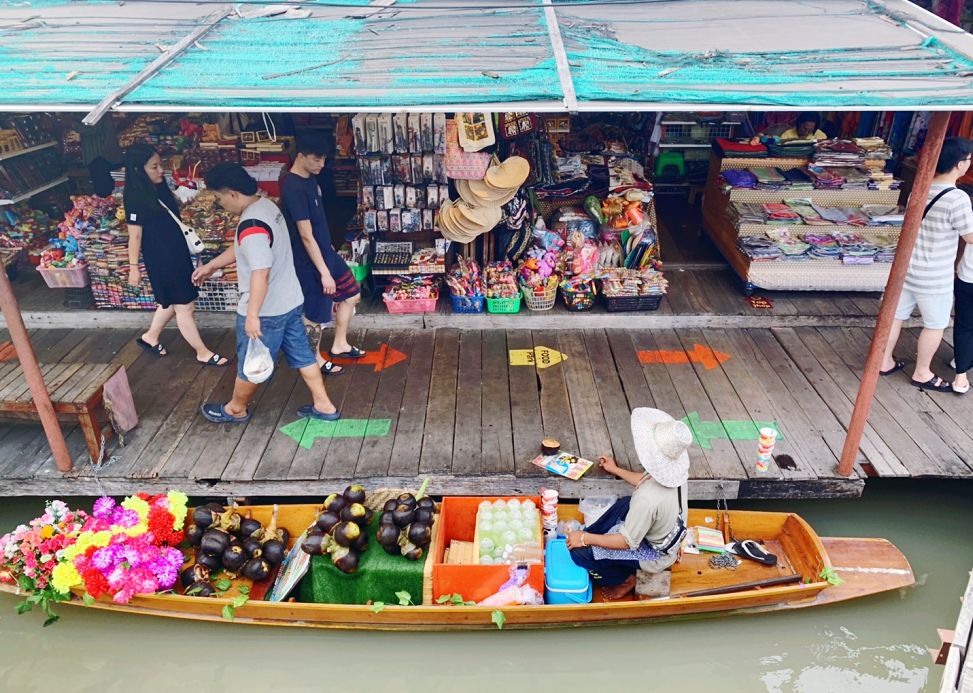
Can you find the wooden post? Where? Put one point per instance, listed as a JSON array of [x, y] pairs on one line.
[[886, 314], [32, 372]]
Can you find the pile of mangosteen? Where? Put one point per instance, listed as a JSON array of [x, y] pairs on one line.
[[226, 541], [405, 525], [340, 529]]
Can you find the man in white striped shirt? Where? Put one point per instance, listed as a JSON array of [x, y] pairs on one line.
[[929, 279]]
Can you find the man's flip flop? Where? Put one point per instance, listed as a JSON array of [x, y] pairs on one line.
[[214, 360], [899, 365], [156, 350], [934, 384], [748, 548], [309, 412], [217, 414], [331, 368], [353, 353]]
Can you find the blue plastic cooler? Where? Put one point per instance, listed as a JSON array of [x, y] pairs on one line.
[[565, 582]]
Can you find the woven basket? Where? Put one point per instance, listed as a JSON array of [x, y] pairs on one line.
[[542, 301]]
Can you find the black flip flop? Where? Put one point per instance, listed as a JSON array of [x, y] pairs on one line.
[[748, 548], [353, 353], [214, 361], [329, 368], [934, 384], [899, 365], [157, 350]]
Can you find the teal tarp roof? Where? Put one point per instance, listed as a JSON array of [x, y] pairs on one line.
[[489, 54]]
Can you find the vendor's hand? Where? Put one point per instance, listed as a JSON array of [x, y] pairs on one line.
[[608, 464], [201, 274], [576, 540], [755, 140], [328, 285], [134, 276], [252, 327]]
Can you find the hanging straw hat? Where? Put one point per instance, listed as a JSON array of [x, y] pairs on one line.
[[462, 223], [510, 174], [479, 192], [662, 445]]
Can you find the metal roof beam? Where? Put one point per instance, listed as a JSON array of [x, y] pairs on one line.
[[113, 99], [560, 57]]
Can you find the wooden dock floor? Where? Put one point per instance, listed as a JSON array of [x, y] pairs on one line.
[[447, 404]]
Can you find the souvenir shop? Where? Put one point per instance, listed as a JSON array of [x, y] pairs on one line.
[[479, 212]]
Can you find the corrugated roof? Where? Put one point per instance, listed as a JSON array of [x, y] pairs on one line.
[[442, 54]]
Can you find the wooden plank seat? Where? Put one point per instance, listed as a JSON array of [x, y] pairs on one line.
[[77, 393]]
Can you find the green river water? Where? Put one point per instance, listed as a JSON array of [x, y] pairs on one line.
[[875, 645]]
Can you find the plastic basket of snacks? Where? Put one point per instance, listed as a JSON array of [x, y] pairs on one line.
[[541, 297], [415, 294], [538, 281], [466, 287], [502, 293], [578, 293], [65, 277], [633, 290]]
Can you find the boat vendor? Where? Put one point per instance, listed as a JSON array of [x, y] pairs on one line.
[[644, 530]]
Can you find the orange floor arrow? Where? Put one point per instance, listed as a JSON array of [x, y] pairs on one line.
[[700, 354], [7, 351], [385, 357]]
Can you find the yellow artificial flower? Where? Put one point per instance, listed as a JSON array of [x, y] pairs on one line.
[[64, 577], [138, 505], [178, 502], [47, 532], [138, 530], [85, 540]]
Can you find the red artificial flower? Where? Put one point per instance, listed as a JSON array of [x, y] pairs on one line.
[[160, 524], [95, 583], [144, 496], [176, 538], [90, 551]]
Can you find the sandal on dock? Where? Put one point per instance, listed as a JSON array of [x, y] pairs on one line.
[[309, 412], [331, 368], [156, 350], [217, 414], [748, 548], [899, 365], [934, 384], [215, 360], [353, 353]]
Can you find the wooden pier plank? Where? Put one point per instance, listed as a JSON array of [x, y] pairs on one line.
[[437, 438], [407, 446], [556, 409], [611, 396], [525, 408], [376, 451], [589, 418], [497, 448], [468, 426]]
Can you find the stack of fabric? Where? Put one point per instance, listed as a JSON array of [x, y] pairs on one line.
[[780, 213], [838, 153], [855, 250], [759, 248], [791, 247], [740, 178], [769, 178], [882, 215], [876, 151], [737, 150], [746, 213], [881, 180], [823, 245], [852, 216], [797, 179], [825, 178], [804, 208], [885, 248]]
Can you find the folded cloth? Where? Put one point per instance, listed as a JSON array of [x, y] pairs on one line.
[[731, 149], [739, 178]]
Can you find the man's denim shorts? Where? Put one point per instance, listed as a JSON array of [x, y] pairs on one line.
[[280, 333]]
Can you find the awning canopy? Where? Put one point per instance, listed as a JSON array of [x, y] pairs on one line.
[[545, 55]]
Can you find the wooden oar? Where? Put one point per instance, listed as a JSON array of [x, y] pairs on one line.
[[768, 582]]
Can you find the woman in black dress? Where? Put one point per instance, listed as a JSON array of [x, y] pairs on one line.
[[152, 230]]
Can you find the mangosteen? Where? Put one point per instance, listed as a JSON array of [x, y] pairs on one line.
[[345, 560], [316, 543], [360, 545], [389, 505], [354, 513], [402, 515], [214, 563], [420, 534], [334, 503], [386, 518], [234, 558], [346, 532], [411, 551], [355, 493], [274, 551], [369, 515], [285, 535], [426, 502], [407, 499], [205, 516], [256, 569], [387, 535], [326, 521], [251, 546], [197, 573], [424, 516], [249, 526], [200, 589], [194, 534], [214, 542], [392, 549]]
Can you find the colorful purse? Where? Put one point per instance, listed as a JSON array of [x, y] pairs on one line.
[[462, 165]]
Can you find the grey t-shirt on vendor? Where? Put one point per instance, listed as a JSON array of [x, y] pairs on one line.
[[651, 514], [263, 242]]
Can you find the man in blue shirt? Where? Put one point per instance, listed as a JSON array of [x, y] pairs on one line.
[[324, 276]]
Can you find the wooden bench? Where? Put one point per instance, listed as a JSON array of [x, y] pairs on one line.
[[76, 391]]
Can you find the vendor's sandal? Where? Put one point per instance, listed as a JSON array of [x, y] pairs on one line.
[[217, 414], [214, 360], [748, 548], [960, 390], [156, 350], [353, 353], [309, 412], [934, 384], [331, 368], [620, 591], [899, 365]]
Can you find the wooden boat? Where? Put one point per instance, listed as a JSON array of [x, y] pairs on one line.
[[867, 566]]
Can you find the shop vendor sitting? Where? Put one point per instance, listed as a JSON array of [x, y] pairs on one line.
[[644, 530], [807, 126]]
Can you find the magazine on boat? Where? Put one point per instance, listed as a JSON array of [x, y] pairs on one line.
[[564, 464]]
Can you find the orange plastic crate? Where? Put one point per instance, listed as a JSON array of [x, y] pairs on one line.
[[457, 520]]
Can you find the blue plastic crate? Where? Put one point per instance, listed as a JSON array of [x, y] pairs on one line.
[[467, 304]]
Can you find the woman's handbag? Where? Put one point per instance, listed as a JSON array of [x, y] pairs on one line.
[[192, 239]]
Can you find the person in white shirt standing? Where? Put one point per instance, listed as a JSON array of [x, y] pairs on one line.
[[929, 279]]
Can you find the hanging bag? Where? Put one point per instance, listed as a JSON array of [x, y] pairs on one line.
[[192, 239], [463, 165], [258, 364]]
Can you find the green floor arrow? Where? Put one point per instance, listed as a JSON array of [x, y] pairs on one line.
[[706, 431], [306, 431]]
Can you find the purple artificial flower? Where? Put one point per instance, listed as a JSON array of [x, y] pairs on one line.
[[167, 576], [105, 557], [125, 517], [103, 507]]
